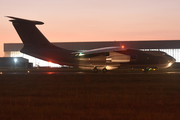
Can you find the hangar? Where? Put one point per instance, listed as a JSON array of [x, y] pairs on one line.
[[171, 47]]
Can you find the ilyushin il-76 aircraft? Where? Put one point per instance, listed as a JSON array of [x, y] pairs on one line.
[[107, 58]]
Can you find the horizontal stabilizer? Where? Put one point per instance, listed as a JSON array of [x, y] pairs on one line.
[[15, 19], [28, 32]]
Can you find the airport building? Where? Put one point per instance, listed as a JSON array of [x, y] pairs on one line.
[[171, 47]]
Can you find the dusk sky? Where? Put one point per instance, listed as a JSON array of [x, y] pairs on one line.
[[94, 20]]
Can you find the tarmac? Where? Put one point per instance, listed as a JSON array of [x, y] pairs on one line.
[[74, 71]]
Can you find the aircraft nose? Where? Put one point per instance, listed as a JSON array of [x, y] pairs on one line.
[[171, 60]]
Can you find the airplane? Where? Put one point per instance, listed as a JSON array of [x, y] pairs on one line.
[[107, 58]]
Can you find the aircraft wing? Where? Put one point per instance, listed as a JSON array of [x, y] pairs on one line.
[[100, 50]]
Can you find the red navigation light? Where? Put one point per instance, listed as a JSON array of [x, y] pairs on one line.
[[122, 46]]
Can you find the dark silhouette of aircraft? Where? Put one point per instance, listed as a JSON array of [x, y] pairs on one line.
[[108, 58]]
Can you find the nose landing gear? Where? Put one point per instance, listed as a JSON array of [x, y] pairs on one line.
[[145, 70]]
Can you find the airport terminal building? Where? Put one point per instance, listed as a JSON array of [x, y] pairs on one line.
[[171, 47]]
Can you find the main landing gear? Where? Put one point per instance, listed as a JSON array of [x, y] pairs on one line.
[[95, 70], [104, 70]]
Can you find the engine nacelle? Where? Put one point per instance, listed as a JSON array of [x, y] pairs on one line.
[[119, 58]]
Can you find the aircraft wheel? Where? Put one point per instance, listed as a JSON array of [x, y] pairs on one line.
[[95, 70], [104, 70]]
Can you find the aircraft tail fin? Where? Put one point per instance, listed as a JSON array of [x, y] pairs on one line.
[[36, 44], [28, 32]]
